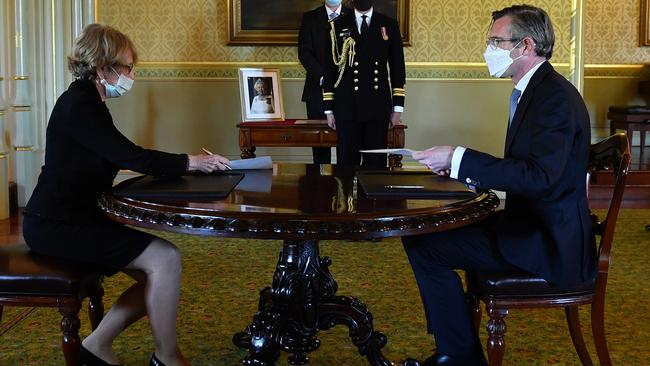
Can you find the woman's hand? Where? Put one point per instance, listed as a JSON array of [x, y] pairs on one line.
[[208, 163]]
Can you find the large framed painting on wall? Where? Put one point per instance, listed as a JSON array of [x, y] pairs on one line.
[[644, 27], [263, 22]]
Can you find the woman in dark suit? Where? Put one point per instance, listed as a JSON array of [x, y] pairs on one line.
[[84, 152]]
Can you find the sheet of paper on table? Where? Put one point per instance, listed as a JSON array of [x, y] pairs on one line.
[[262, 162]]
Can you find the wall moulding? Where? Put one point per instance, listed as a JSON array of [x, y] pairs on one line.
[[414, 70]]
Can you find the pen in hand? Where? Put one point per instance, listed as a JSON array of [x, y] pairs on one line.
[[210, 153]]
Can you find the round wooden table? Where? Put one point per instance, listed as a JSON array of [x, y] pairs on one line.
[[302, 204]]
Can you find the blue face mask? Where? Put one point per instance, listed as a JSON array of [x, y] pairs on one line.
[[121, 87], [333, 2]]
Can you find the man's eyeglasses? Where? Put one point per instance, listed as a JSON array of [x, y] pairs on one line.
[[128, 67], [494, 41]]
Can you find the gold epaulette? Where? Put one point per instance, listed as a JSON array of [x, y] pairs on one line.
[[399, 92], [328, 96]]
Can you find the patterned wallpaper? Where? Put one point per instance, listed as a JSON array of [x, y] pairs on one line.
[[612, 33], [196, 30]]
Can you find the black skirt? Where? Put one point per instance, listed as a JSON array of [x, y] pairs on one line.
[[99, 241]]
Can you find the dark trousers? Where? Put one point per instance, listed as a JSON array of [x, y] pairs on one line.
[[352, 136], [322, 155], [433, 258]]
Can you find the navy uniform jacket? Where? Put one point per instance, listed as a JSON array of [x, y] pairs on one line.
[[83, 154], [364, 92], [545, 226], [313, 36]]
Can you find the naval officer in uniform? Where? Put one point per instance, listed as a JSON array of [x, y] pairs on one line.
[[361, 97]]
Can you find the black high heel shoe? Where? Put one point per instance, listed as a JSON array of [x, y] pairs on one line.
[[87, 358], [154, 361]]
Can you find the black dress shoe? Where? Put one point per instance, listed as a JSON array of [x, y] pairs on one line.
[[155, 362], [87, 358], [439, 359]]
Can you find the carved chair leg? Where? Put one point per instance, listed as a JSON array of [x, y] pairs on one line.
[[496, 328], [598, 328], [96, 305], [573, 320], [70, 325], [475, 310]]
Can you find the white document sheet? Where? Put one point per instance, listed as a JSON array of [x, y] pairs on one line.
[[408, 152], [262, 162]]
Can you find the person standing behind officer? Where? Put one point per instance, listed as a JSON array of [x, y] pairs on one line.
[[357, 95], [313, 36]]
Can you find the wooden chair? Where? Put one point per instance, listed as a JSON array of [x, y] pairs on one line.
[[28, 279], [503, 291]]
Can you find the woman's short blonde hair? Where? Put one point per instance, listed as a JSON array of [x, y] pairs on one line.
[[98, 46]]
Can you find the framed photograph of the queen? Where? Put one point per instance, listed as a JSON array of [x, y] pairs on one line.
[[261, 95]]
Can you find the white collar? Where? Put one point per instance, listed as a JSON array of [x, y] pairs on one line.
[[368, 15], [337, 11], [523, 82]]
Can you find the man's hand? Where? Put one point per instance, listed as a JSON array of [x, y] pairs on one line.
[[208, 163], [437, 158], [331, 121], [395, 119]]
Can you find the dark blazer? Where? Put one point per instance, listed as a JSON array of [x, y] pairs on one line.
[[84, 152], [545, 226], [312, 38], [364, 92]]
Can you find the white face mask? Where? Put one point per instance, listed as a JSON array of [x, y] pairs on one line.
[[498, 60], [333, 2], [121, 87]]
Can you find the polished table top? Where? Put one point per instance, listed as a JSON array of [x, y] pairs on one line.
[[301, 201], [302, 204]]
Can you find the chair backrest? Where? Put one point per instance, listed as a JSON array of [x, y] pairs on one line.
[[611, 154]]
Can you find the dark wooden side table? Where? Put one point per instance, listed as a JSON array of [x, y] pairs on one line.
[[303, 133], [302, 204]]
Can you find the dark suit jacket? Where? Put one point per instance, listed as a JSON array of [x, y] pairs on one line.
[[364, 92], [545, 227], [84, 152], [313, 36]]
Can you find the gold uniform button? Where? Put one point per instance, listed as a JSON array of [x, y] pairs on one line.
[[356, 63], [356, 71], [356, 80], [356, 88], [376, 87], [376, 72]]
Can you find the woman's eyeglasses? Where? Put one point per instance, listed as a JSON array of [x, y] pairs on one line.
[[128, 67]]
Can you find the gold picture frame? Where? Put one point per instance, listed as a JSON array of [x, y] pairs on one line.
[[260, 90], [263, 22], [644, 26]]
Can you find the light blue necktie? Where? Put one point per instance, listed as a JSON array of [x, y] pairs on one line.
[[514, 98], [333, 15]]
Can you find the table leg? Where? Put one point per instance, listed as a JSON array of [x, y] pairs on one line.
[[394, 161], [301, 301], [247, 152]]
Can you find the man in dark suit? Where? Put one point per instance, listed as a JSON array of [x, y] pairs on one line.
[[359, 102], [313, 36], [544, 228]]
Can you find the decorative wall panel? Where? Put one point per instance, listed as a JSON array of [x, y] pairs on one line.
[[196, 30], [612, 33]]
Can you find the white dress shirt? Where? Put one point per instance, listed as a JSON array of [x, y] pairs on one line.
[[457, 158], [359, 18]]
